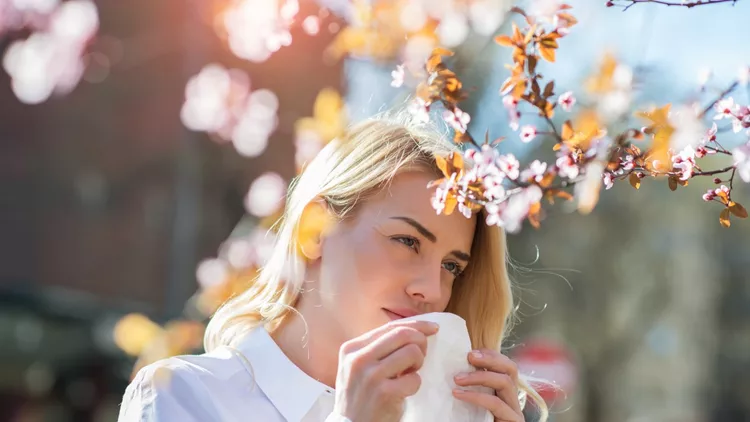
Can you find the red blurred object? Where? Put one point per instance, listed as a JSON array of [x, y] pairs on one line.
[[551, 362]]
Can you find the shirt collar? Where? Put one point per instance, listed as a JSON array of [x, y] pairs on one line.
[[291, 390]]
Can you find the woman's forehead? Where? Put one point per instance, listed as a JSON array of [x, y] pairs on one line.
[[408, 196]]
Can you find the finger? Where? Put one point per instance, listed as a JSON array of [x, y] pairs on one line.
[[500, 410], [503, 385], [394, 340], [404, 386], [426, 327], [494, 361], [406, 359]]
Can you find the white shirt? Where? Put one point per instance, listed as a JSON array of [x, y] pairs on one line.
[[255, 382]]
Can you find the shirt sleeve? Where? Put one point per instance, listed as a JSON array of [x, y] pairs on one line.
[[160, 393], [334, 417]]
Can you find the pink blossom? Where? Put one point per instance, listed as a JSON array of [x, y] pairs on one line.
[[420, 110], [398, 76], [627, 163], [493, 214], [441, 193], [685, 162], [741, 157], [509, 165], [608, 179], [709, 196], [722, 188], [493, 188], [742, 119], [528, 133], [567, 167], [725, 108], [535, 171], [458, 119], [464, 209], [514, 116], [462, 206], [518, 207], [485, 161], [566, 100], [702, 151], [711, 133], [510, 102]]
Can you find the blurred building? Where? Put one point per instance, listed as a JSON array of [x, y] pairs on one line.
[[110, 202]]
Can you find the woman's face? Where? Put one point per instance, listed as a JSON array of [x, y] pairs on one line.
[[393, 258]]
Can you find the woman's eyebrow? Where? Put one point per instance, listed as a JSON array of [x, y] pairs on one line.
[[420, 228], [430, 236], [461, 255]]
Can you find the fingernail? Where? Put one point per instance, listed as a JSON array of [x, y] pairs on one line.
[[434, 325], [458, 391], [462, 376], [477, 354]]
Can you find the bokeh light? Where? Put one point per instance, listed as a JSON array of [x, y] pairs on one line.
[[265, 195], [50, 61]]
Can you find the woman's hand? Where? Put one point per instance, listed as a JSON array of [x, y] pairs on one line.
[[498, 372], [377, 370]]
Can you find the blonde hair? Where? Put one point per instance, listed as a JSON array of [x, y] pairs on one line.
[[344, 173]]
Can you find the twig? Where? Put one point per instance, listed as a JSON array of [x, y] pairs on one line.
[[720, 151], [554, 129], [723, 94], [689, 5], [713, 172]]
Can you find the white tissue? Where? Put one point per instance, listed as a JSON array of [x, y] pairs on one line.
[[447, 353]]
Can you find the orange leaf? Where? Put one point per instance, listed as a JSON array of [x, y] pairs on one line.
[[547, 53], [529, 34], [567, 130], [549, 89], [504, 40], [737, 209], [457, 161], [534, 214], [517, 35], [672, 184], [634, 181], [442, 51], [724, 218], [450, 204], [316, 221], [723, 197], [519, 89], [442, 164], [547, 180], [564, 195], [570, 19]]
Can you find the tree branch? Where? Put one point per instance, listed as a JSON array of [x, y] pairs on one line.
[[688, 4]]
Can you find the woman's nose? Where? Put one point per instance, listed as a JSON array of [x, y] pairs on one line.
[[425, 286]]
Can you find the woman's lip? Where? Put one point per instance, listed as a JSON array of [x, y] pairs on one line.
[[393, 316], [400, 313]]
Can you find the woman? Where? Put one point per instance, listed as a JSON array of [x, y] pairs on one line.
[[317, 337]]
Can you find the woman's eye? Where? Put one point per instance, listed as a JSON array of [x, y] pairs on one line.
[[453, 268], [410, 242]]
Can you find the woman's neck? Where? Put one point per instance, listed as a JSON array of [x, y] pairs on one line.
[[312, 347]]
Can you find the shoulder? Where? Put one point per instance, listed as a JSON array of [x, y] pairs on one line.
[[180, 387]]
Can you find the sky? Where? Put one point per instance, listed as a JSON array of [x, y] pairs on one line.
[[675, 44]]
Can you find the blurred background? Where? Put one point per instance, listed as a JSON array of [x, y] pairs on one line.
[[147, 145]]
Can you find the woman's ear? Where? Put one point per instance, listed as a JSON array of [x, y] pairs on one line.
[[316, 221]]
